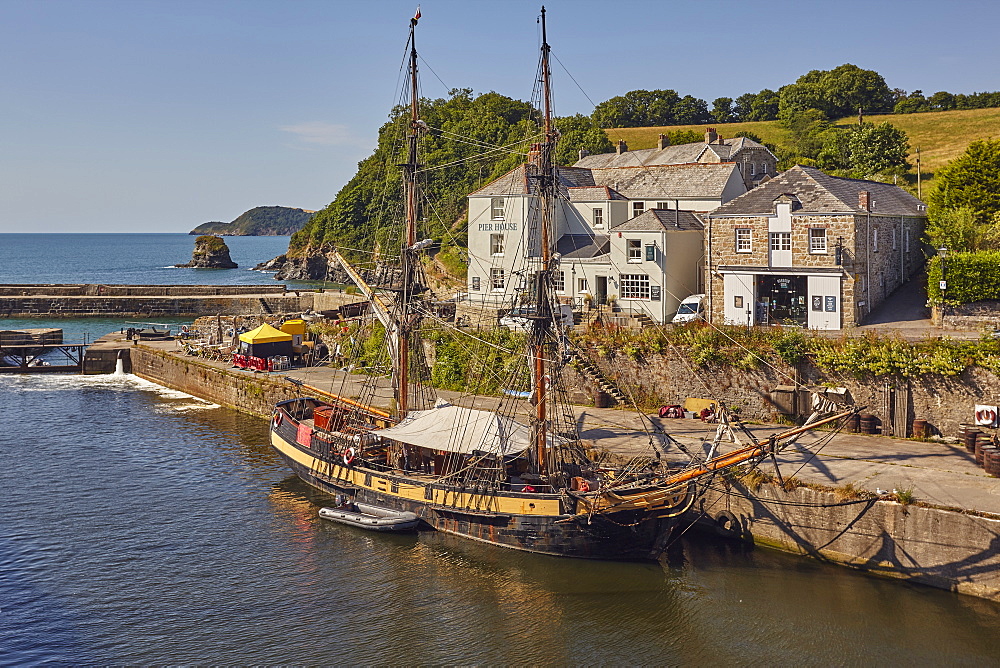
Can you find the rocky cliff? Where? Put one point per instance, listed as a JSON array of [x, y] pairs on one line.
[[261, 221], [210, 252]]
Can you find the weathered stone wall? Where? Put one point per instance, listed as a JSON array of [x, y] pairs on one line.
[[248, 393], [945, 402], [105, 306], [100, 290], [942, 548]]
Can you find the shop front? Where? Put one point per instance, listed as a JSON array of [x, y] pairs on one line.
[[809, 300]]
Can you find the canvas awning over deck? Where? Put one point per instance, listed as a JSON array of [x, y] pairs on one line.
[[461, 430]]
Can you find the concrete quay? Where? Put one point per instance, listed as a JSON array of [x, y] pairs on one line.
[[947, 537]]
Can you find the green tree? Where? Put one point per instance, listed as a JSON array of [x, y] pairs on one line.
[[971, 180], [877, 150], [722, 109], [576, 133], [837, 92]]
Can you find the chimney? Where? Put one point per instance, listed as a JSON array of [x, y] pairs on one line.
[[864, 200], [710, 136], [535, 155], [584, 153], [622, 146], [663, 142]]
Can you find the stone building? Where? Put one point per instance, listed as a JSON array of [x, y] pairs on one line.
[[755, 162], [811, 250]]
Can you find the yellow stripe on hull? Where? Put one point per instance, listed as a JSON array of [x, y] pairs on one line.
[[485, 503]]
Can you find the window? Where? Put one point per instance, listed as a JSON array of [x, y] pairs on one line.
[[637, 208], [582, 285], [817, 240], [743, 240], [875, 240], [634, 247], [781, 241], [893, 238], [496, 244], [634, 286], [906, 240], [753, 169], [475, 283], [559, 278], [496, 279], [663, 205], [598, 217], [763, 168], [496, 208], [650, 253]]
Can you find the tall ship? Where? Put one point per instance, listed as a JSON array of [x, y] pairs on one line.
[[513, 470]]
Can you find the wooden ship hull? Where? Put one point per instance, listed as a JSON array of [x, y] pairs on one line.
[[546, 523]]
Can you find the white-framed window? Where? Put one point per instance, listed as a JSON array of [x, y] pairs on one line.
[[875, 240], [743, 240], [598, 216], [753, 168], [634, 286], [496, 244], [497, 279], [663, 205], [638, 208], [634, 247], [893, 238], [906, 239], [559, 278], [781, 241], [582, 285], [475, 283], [496, 208], [763, 168], [817, 240]]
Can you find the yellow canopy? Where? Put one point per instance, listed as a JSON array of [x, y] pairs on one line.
[[264, 334]]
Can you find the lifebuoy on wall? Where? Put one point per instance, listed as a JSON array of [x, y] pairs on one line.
[[349, 455], [986, 416]]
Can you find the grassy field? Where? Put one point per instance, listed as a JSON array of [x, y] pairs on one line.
[[940, 135]]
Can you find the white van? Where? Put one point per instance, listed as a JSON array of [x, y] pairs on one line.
[[519, 318], [690, 309]]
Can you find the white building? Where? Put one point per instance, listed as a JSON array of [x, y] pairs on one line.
[[632, 233]]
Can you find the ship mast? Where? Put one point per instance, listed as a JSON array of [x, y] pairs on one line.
[[542, 322], [408, 255]]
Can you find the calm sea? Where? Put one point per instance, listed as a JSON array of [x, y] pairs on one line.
[[138, 259], [141, 526]]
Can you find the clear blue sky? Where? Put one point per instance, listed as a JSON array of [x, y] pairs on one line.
[[156, 116]]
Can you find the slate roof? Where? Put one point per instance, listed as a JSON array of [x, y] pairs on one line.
[[669, 155], [703, 180], [817, 192], [593, 194], [583, 245], [657, 220], [516, 182]]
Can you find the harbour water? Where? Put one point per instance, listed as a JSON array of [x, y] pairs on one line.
[[135, 259], [143, 526]]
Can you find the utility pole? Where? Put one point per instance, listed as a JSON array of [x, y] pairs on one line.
[[918, 175]]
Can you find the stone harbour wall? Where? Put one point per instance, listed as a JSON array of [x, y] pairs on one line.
[[943, 548], [146, 306]]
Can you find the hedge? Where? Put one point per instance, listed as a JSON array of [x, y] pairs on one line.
[[972, 277]]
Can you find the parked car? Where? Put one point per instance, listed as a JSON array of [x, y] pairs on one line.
[[519, 318], [691, 308]]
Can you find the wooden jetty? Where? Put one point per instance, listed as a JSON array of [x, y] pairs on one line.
[[26, 350]]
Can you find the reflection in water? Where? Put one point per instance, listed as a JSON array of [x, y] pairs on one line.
[[144, 526]]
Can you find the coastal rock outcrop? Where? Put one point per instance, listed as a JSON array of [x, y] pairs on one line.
[[210, 252]]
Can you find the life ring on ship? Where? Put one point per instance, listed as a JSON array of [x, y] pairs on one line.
[[349, 455], [277, 420]]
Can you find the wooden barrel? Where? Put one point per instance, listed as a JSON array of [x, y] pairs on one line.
[[853, 423], [920, 429], [982, 442], [969, 439], [988, 452], [602, 399], [869, 424], [991, 462]]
